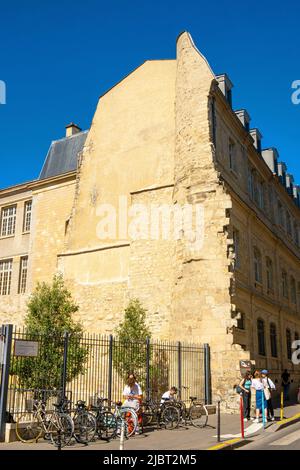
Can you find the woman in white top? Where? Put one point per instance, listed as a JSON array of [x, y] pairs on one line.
[[258, 385], [132, 393]]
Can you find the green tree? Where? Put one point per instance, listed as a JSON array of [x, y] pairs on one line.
[[50, 311], [129, 352]]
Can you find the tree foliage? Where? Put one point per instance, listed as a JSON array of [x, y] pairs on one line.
[[49, 317]]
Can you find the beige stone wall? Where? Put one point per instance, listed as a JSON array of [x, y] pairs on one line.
[[201, 299], [52, 209]]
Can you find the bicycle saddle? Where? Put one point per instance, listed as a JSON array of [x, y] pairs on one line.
[[193, 398]]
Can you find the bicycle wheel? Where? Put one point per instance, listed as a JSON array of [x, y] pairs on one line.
[[106, 425], [170, 417], [85, 427], [28, 428], [147, 415], [198, 416], [61, 429], [131, 421]]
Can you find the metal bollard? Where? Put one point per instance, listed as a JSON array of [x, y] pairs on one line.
[[263, 409], [281, 406], [59, 439], [242, 417], [219, 421], [122, 435]]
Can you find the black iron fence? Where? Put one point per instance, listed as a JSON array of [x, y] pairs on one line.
[[90, 365]]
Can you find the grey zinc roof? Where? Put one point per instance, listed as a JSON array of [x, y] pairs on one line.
[[62, 155]]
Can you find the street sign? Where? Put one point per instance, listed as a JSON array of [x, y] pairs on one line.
[[26, 348]]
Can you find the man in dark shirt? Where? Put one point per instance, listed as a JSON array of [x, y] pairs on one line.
[[285, 376]]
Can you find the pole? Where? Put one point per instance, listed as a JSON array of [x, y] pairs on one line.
[[242, 417], [179, 370], [6, 337], [207, 374], [148, 369], [65, 365], [281, 405], [263, 408], [219, 420], [110, 369], [122, 434]]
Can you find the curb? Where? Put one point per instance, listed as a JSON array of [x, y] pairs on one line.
[[231, 444], [286, 422]]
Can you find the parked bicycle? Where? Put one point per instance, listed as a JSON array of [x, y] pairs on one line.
[[195, 413], [128, 415], [37, 421], [106, 422], [163, 414]]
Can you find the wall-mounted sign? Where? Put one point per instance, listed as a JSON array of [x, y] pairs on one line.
[[245, 366], [26, 348]]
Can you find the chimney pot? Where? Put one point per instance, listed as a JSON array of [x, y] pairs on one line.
[[72, 129]]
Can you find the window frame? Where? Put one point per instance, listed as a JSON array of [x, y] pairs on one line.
[[11, 221]]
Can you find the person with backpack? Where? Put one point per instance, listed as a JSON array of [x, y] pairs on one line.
[[244, 388], [269, 387]]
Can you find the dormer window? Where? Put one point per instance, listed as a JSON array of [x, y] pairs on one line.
[[257, 137], [244, 118], [225, 85]]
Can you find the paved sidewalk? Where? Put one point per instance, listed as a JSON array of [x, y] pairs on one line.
[[183, 438]]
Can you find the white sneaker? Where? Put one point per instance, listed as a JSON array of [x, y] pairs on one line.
[[245, 420], [256, 420], [272, 419]]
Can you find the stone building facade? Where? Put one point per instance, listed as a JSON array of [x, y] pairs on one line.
[[167, 135]]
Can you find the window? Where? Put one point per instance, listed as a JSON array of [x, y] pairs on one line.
[[257, 266], [236, 245], [250, 182], [5, 276], [261, 337], [27, 216], [296, 234], [296, 336], [260, 194], [289, 344], [284, 283], [8, 221], [23, 274], [269, 268], [280, 214], [293, 290], [288, 224], [241, 321], [273, 339], [232, 156]]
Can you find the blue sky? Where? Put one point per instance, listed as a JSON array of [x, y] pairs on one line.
[[58, 57]]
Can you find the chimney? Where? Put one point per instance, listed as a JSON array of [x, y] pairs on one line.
[[271, 156], [225, 85], [72, 129], [282, 173], [256, 136], [244, 118]]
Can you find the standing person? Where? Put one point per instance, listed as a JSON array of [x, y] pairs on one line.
[[269, 387], [258, 386], [245, 386], [133, 396], [285, 377]]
